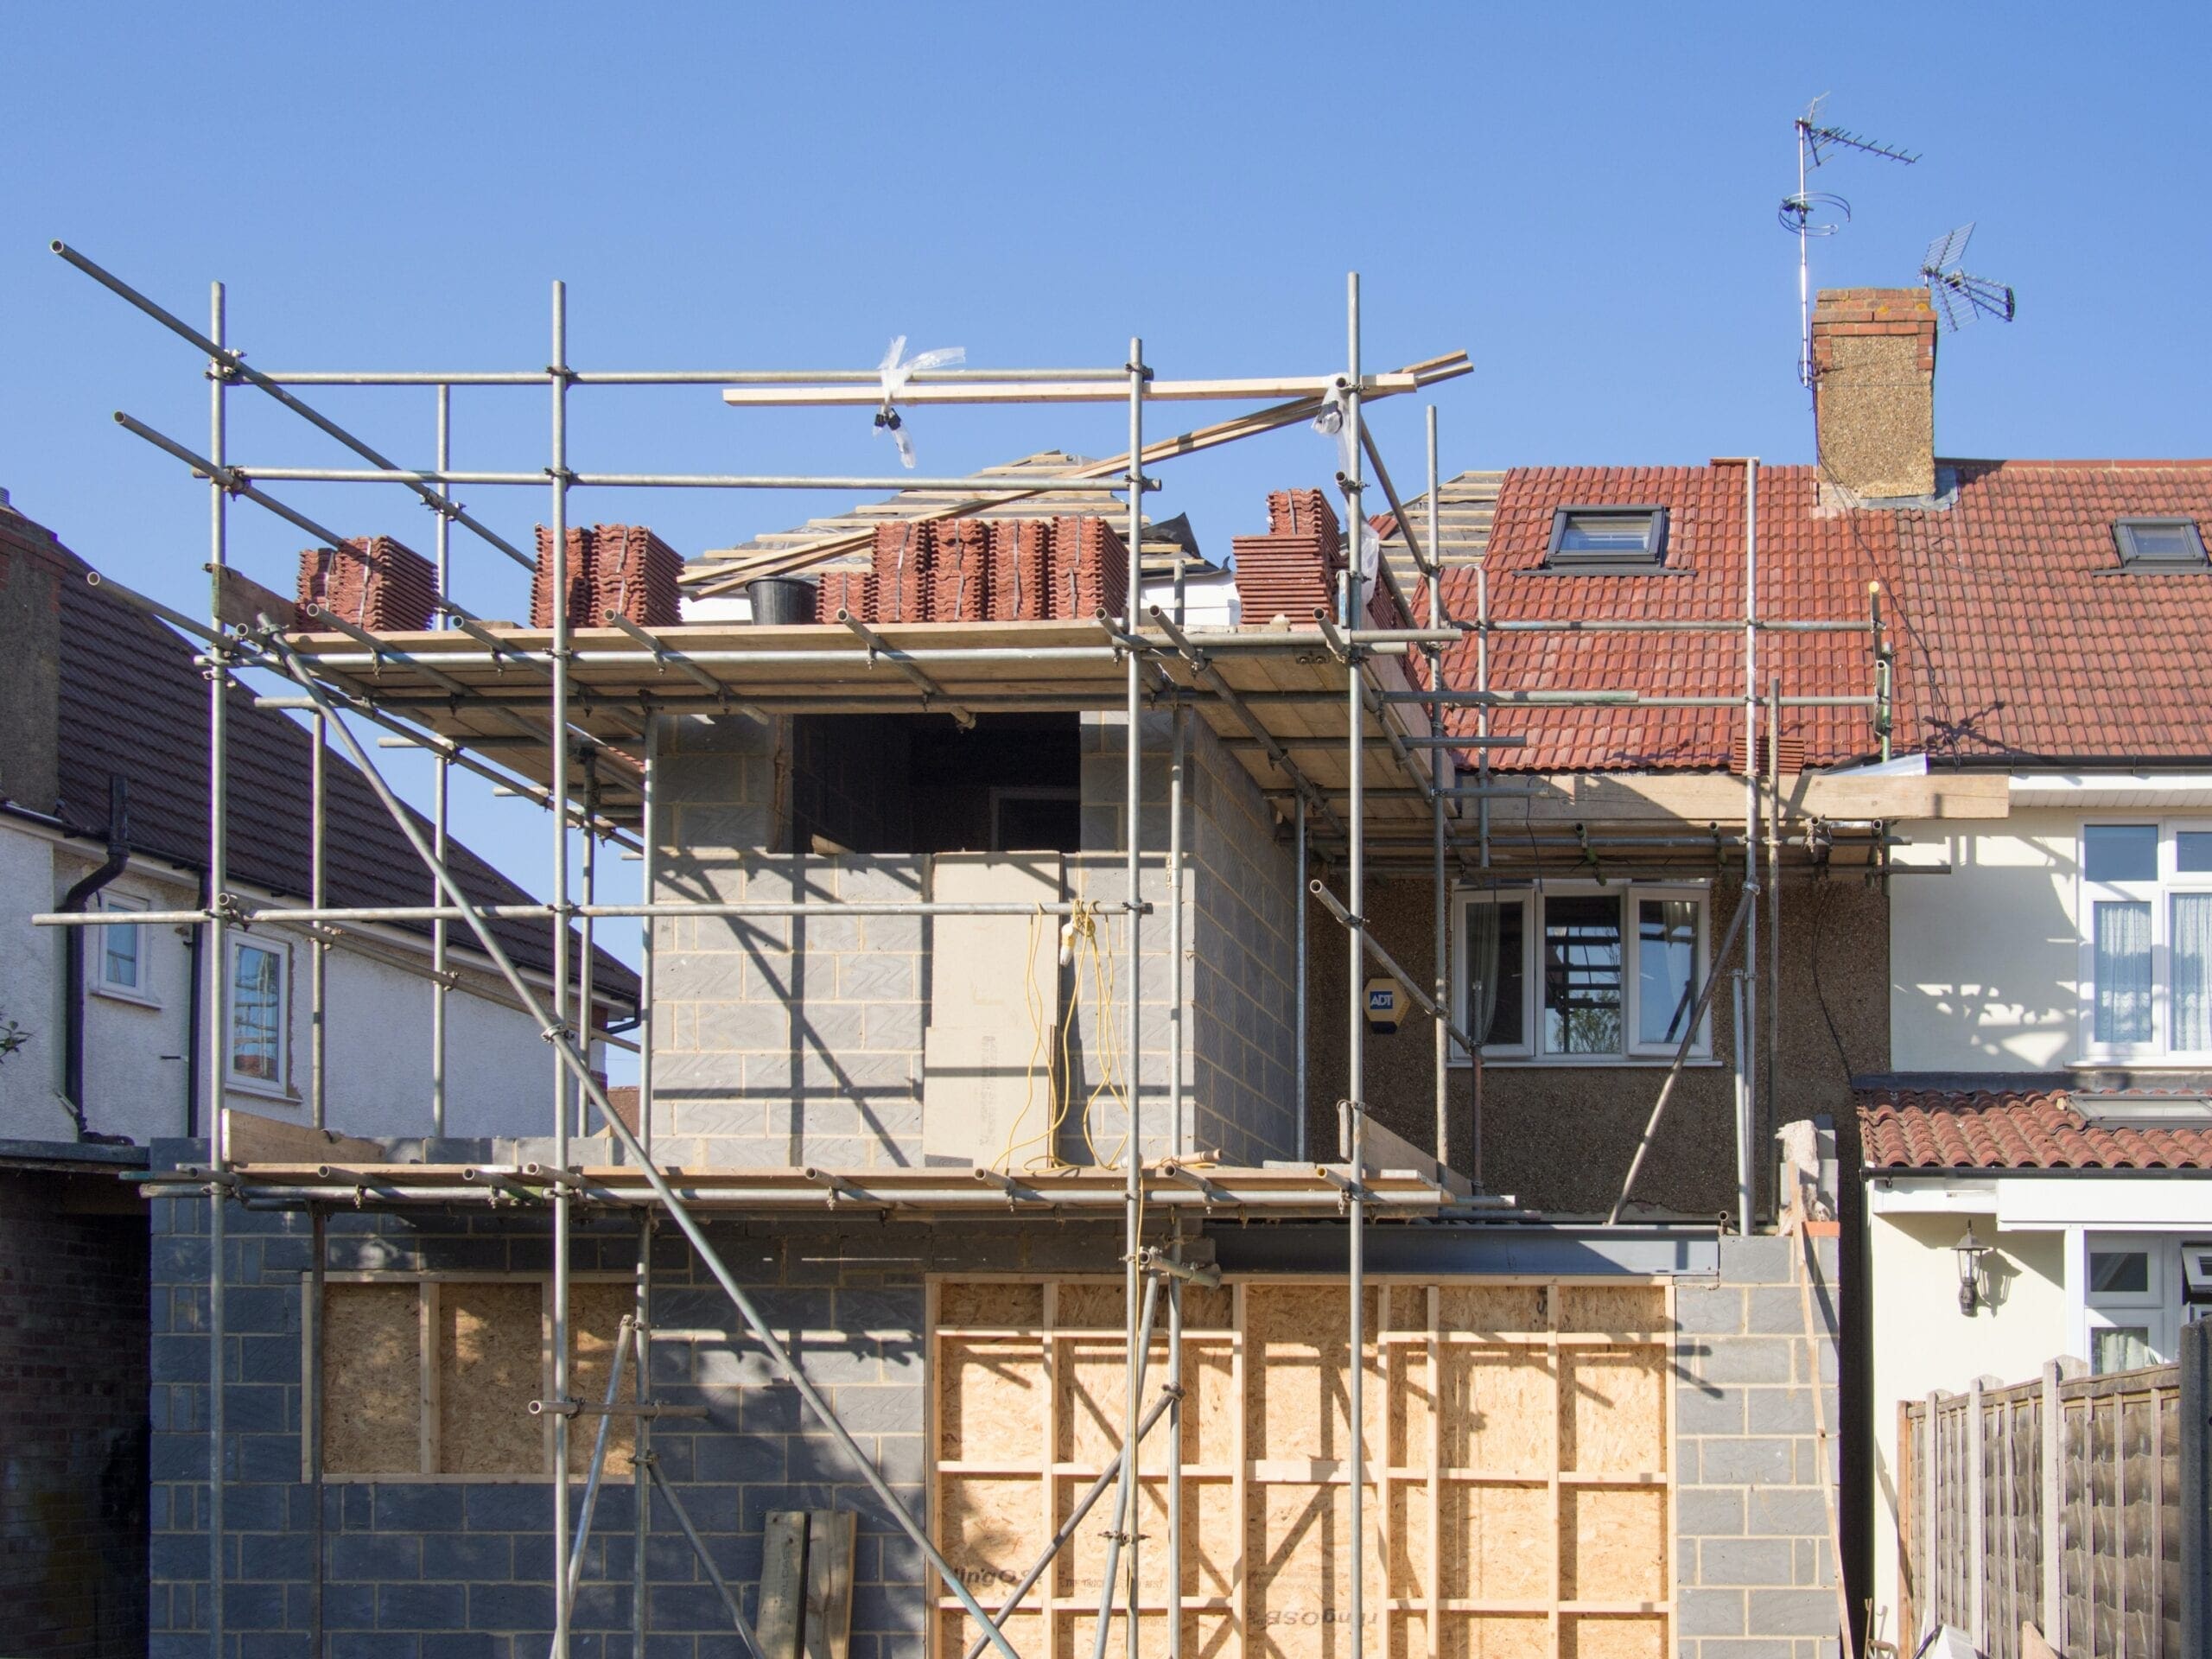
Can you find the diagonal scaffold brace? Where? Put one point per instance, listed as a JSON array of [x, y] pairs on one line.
[[579, 1065]]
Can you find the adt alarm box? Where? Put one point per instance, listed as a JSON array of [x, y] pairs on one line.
[[1385, 1003]]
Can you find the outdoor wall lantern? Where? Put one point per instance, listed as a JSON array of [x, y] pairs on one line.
[[1973, 1289]]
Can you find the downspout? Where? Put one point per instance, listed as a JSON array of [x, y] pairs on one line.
[[192, 1038], [78, 899]]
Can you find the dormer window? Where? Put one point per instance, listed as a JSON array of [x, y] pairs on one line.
[[2159, 545], [1607, 541]]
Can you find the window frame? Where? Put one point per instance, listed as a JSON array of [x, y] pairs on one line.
[[1651, 557], [280, 1087], [1530, 1050], [2156, 1311], [2132, 558], [96, 976], [2159, 891]]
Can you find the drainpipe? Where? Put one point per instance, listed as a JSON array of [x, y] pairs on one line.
[[79, 898], [193, 954]]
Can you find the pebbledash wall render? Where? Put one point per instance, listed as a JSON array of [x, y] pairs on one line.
[[462, 1568]]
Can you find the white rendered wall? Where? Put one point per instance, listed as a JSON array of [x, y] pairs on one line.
[[1921, 1341], [1984, 962], [499, 1070]]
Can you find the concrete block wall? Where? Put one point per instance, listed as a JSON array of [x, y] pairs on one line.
[[1239, 943], [463, 1570], [781, 1042], [1754, 1569]]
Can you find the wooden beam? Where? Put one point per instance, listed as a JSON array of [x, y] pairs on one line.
[[1265, 389]]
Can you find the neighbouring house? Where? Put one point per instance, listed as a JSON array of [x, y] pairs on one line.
[[104, 806], [2031, 1152]]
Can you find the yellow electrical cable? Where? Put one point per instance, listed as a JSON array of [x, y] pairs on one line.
[[1033, 1005]]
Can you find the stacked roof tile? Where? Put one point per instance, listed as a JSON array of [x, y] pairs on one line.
[[372, 581], [960, 570], [1089, 569], [1019, 588], [633, 573], [577, 583], [1291, 571], [1907, 1128], [903, 558]]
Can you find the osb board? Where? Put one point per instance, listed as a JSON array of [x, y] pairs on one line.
[[1612, 1543], [371, 1380], [1613, 1414], [956, 1632], [1515, 1392], [1498, 1409], [596, 1313], [1590, 1636], [490, 1366]]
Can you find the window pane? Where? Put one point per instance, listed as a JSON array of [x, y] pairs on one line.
[[1496, 950], [119, 955], [1582, 976], [257, 1006], [2193, 851], [2119, 852], [2192, 971], [2120, 1273], [1606, 532], [2120, 946], [1666, 968], [2121, 1348]]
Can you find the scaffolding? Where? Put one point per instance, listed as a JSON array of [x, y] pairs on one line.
[[1358, 754]]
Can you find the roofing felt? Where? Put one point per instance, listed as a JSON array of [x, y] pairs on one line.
[[2017, 638], [133, 704], [1904, 1129]]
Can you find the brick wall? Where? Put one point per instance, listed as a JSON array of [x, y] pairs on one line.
[[73, 1418], [1754, 1571], [463, 1570]]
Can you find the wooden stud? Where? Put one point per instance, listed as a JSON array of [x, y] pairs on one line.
[[1241, 1395], [433, 1374], [1559, 1543], [1049, 1482], [1432, 1297]]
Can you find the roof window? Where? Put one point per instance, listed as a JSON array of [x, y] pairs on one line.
[[2159, 545], [1617, 541]]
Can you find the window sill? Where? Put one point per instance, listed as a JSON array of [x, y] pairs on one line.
[[1585, 1063], [130, 999], [260, 1091]]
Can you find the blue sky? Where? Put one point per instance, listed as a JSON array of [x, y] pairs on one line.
[[1583, 197]]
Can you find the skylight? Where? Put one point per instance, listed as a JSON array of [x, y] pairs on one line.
[[1616, 540], [2159, 545]]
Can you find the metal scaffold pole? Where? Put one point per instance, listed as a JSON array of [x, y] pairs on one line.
[[1355, 1037], [557, 771], [1444, 775], [217, 967], [1133, 1061], [442, 784], [1748, 1014]]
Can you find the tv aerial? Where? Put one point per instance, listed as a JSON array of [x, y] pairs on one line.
[[1812, 212], [1959, 296]]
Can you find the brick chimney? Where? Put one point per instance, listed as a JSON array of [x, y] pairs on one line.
[[1874, 390]]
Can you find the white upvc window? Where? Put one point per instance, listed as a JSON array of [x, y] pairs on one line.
[[2130, 1305], [2145, 910], [119, 963], [260, 995], [1580, 973]]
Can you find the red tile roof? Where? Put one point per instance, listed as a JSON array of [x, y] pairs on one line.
[[2016, 637], [2011, 1128]]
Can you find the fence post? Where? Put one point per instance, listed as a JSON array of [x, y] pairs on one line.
[[1976, 1522], [2052, 1623], [2196, 1488], [1912, 1498], [1931, 1607]]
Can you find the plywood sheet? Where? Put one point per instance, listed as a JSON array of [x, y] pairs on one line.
[[1613, 1414], [1605, 1636], [1493, 1636], [1491, 1309], [1297, 1541], [987, 1528], [992, 1305], [1612, 1543], [1497, 1543], [1612, 1308], [372, 1380], [991, 1407], [596, 1313], [1498, 1409], [491, 1365]]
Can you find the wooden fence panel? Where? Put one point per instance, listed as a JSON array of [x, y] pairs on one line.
[[2110, 1528]]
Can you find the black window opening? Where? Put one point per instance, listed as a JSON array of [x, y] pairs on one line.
[[895, 784], [1582, 975], [2159, 545], [1607, 540]]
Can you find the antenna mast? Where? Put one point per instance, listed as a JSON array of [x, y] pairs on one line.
[[1801, 214]]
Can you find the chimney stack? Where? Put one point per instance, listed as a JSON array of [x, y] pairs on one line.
[[1874, 390]]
